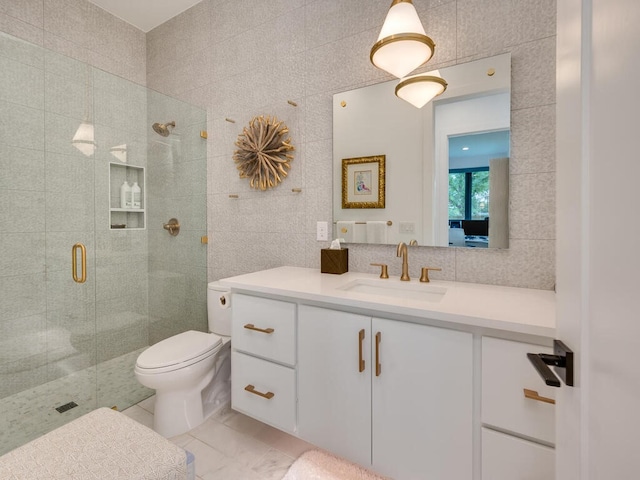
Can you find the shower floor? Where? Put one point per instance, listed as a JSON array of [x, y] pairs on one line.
[[31, 413]]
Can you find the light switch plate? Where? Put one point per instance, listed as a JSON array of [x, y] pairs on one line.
[[322, 231]]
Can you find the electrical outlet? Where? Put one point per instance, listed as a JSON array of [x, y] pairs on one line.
[[322, 231], [407, 227]]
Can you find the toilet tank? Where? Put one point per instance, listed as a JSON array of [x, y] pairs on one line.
[[219, 309]]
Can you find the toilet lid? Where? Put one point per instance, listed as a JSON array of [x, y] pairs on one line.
[[179, 349]]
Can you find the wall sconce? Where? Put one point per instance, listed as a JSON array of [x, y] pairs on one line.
[[403, 44], [420, 89]]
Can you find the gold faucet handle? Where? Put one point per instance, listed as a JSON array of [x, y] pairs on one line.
[[383, 269], [424, 277]]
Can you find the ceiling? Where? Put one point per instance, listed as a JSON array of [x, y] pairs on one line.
[[145, 14]]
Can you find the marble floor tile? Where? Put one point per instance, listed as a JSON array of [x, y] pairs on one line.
[[232, 446]]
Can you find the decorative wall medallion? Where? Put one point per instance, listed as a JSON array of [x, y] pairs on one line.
[[262, 154]]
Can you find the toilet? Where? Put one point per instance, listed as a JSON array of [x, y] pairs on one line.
[[191, 371]]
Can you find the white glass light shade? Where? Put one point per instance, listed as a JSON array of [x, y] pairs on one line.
[[402, 45], [420, 89], [83, 140]]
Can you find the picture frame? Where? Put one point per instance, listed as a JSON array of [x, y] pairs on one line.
[[363, 182]]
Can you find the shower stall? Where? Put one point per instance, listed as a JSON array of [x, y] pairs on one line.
[[87, 281]]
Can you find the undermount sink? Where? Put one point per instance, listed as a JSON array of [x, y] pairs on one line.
[[395, 289]]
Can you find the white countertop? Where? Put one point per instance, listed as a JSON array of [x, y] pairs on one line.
[[509, 309]]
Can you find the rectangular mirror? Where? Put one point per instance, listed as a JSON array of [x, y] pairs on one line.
[[445, 167]]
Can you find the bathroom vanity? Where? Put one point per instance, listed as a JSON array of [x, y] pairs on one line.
[[413, 380]]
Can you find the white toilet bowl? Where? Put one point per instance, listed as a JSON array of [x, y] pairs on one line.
[[190, 372]]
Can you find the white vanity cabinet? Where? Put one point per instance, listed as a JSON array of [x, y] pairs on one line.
[[396, 396], [263, 360], [518, 430]]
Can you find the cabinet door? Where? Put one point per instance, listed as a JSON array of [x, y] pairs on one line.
[[334, 396], [422, 402]]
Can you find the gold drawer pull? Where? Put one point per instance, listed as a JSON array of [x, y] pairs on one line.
[[533, 395], [250, 326], [378, 366], [360, 359], [252, 389]]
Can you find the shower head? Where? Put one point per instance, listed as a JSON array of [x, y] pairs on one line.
[[164, 128]]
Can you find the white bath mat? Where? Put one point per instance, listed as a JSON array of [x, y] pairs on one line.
[[319, 465]]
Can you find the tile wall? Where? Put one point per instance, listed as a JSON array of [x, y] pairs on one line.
[[241, 58]]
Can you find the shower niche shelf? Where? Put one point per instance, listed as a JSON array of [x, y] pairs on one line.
[[121, 217]]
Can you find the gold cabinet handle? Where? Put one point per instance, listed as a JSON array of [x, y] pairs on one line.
[[378, 366], [252, 389], [533, 395], [360, 357], [250, 326], [74, 263]]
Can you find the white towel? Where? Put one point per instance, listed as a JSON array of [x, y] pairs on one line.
[[377, 232], [346, 231]]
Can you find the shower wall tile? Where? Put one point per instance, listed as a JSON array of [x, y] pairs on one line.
[[58, 133], [64, 96], [22, 254], [21, 83], [29, 11], [21, 169], [20, 50], [21, 126], [69, 212], [22, 211], [69, 174], [66, 47], [118, 281], [22, 296], [21, 29], [67, 19]]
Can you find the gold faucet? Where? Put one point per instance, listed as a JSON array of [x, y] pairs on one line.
[[402, 250]]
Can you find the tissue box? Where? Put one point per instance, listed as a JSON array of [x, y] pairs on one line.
[[334, 261]]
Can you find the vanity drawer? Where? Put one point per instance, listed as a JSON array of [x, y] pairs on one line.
[[264, 327], [270, 380], [510, 458], [506, 372]]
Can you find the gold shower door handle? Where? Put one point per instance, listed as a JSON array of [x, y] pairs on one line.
[[360, 359], [378, 366], [252, 389], [250, 326], [74, 263]]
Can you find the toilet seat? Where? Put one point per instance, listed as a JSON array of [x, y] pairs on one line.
[[178, 352]]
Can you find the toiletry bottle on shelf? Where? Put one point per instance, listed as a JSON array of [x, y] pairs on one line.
[[136, 194], [125, 195]]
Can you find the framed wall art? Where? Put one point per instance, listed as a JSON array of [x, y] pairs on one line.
[[363, 181]]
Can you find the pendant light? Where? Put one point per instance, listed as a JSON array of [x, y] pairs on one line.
[[402, 45], [84, 139], [420, 89]]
